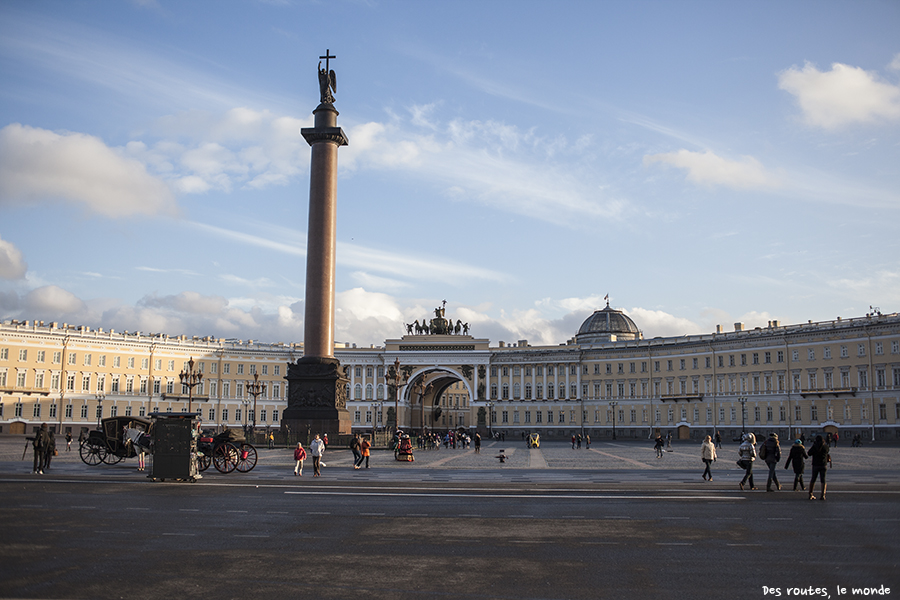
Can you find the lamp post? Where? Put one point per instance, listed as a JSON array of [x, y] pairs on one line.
[[255, 389], [100, 397], [246, 403], [490, 419], [189, 377], [396, 378], [743, 401], [613, 404]]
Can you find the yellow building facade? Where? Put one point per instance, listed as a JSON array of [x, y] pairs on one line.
[[841, 375]]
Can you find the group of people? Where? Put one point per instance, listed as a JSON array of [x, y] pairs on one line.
[[44, 445], [769, 451], [360, 447], [577, 439], [316, 450]]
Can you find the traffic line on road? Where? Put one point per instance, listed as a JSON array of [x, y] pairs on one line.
[[509, 496]]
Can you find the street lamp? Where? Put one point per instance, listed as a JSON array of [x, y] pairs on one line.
[[246, 403], [255, 389], [189, 377], [613, 404], [396, 378], [490, 419], [100, 398], [743, 401]]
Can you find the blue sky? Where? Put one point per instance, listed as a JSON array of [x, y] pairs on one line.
[[701, 162]]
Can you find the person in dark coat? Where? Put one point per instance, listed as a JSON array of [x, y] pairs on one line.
[[773, 455], [796, 457], [39, 443], [50, 450], [820, 461]]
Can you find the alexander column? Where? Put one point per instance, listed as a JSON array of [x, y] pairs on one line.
[[317, 388]]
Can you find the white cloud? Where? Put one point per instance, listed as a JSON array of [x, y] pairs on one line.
[[201, 151], [711, 169], [37, 165], [51, 300], [487, 163], [12, 266], [842, 96]]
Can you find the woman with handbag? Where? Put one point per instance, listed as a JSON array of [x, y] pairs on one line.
[[747, 454]]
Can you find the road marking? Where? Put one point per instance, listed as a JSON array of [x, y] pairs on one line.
[[237, 511], [742, 545], [519, 516], [371, 514], [779, 519], [249, 536], [189, 509], [85, 507], [674, 544], [136, 508], [673, 518], [512, 496], [277, 512], [616, 517], [182, 534], [317, 513], [417, 515], [471, 516]]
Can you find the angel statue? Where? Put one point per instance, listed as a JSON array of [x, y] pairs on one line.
[[327, 84]]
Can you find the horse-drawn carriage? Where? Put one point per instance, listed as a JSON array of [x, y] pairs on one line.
[[226, 451], [117, 438]]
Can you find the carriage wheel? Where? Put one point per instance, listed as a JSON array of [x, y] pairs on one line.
[[246, 458], [225, 457], [203, 462], [110, 458], [92, 454]]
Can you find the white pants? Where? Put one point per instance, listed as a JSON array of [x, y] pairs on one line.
[[298, 469]]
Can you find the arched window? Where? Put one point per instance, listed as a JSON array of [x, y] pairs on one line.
[[380, 392], [357, 392], [562, 391], [369, 391], [517, 391]]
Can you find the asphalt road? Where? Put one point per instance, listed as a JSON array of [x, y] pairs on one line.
[[430, 531]]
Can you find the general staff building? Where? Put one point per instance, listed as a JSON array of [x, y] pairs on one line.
[[841, 375]]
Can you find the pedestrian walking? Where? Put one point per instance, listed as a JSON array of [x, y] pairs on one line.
[[796, 457], [587, 441], [317, 449], [770, 451], [39, 442], [821, 458], [718, 440], [747, 454], [68, 441], [299, 456], [573, 442], [271, 440], [659, 446], [354, 448], [708, 455], [477, 443], [364, 446], [668, 441]]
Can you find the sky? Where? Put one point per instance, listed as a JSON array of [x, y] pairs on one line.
[[699, 163]]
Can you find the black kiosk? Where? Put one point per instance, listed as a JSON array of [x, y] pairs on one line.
[[174, 446]]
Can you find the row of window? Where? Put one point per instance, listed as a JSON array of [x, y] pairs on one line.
[[113, 411], [731, 384], [88, 360], [733, 412], [743, 359]]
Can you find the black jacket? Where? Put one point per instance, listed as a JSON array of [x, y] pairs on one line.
[[796, 457]]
